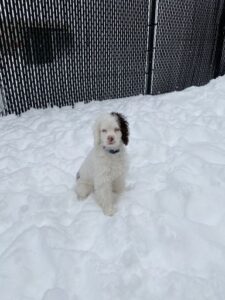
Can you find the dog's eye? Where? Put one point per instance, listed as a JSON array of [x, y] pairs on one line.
[[117, 129], [104, 130]]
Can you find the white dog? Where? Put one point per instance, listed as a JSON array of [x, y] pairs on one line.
[[103, 171]]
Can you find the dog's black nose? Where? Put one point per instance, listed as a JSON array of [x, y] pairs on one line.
[[110, 138]]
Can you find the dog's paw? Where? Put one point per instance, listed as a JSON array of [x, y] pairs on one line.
[[109, 211], [83, 190], [81, 195]]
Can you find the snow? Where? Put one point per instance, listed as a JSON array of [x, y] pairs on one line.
[[167, 240]]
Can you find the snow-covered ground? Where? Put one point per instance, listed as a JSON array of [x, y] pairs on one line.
[[167, 240]]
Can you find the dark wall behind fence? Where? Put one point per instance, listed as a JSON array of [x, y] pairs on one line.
[[59, 52]]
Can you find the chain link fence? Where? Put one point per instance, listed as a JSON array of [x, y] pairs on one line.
[[60, 52]]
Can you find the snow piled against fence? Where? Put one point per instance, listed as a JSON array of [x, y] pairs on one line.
[[167, 240]]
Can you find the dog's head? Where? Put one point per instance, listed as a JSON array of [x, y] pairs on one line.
[[110, 130]]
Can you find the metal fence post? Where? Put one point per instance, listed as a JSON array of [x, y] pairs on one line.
[[219, 44], [150, 45]]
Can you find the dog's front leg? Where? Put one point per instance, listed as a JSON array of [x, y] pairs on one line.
[[105, 198], [118, 185]]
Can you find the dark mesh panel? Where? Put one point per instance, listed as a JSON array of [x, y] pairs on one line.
[[222, 62], [59, 52], [185, 44], [221, 40]]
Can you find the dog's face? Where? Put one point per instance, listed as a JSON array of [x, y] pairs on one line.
[[110, 133], [111, 130]]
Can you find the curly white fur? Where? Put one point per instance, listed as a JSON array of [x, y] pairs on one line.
[[104, 169]]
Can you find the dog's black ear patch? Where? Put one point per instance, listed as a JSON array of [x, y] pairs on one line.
[[124, 127]]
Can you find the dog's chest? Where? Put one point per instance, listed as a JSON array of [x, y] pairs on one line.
[[111, 166]]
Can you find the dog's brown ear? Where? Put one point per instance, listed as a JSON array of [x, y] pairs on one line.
[[124, 127]]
